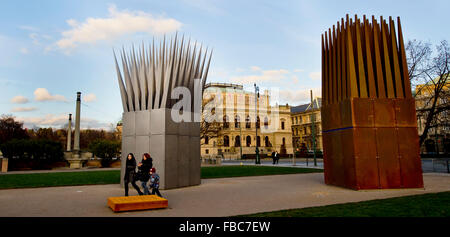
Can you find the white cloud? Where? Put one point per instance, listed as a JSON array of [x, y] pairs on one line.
[[296, 97], [19, 100], [24, 109], [265, 76], [52, 120], [118, 23], [35, 38], [28, 28], [42, 94], [315, 75], [90, 98], [24, 50], [255, 68]]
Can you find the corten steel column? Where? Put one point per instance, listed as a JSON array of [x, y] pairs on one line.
[[370, 137], [69, 134], [76, 144]]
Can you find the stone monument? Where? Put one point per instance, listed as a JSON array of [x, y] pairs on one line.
[[75, 157], [370, 137], [150, 78]]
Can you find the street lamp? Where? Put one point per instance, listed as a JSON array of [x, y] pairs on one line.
[[257, 160], [313, 132]]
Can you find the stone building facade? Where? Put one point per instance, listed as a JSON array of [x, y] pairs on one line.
[[302, 125], [235, 136]]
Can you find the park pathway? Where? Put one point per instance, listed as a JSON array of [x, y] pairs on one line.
[[214, 197]]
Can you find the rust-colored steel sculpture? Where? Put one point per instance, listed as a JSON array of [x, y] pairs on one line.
[[370, 137]]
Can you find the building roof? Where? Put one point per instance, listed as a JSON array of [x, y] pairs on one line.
[[302, 108]]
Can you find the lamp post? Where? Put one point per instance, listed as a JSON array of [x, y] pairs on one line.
[[313, 132], [257, 160]]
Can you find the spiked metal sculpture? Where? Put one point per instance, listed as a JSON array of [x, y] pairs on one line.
[[148, 78], [370, 137]]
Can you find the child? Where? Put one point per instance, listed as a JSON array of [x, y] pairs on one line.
[[154, 182]]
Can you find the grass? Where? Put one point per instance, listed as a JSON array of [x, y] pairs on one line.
[[113, 176], [37, 180], [425, 205], [214, 172]]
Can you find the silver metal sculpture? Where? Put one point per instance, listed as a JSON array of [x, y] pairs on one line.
[[147, 77], [152, 73]]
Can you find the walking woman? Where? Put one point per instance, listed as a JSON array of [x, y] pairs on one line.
[[144, 169], [130, 173]]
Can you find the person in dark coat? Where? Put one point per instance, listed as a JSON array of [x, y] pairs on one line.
[[144, 170], [273, 157], [130, 173], [276, 157], [154, 182]]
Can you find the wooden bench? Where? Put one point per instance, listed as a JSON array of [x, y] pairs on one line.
[[133, 203]]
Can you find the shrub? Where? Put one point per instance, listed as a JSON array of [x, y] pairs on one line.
[[35, 153], [105, 150]]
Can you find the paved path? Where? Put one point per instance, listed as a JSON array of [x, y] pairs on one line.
[[214, 197]]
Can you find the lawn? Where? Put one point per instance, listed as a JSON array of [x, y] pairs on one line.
[[241, 171], [425, 205], [59, 179], [113, 176]]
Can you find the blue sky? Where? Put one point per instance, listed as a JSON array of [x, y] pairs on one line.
[[52, 49]]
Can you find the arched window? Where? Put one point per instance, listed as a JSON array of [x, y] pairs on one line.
[[237, 121], [267, 142], [237, 141], [226, 121], [282, 125], [284, 141], [226, 141], [206, 140], [266, 122], [258, 141], [249, 141], [247, 122]]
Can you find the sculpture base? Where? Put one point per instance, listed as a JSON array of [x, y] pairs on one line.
[[76, 159], [174, 147], [133, 203], [371, 144]]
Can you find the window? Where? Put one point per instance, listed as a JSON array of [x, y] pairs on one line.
[[237, 122], [207, 151], [249, 141], [282, 125], [266, 122], [226, 122], [237, 141], [296, 120], [247, 122], [267, 142], [226, 141], [206, 140]]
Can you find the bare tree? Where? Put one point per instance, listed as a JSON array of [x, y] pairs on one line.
[[430, 79], [208, 129]]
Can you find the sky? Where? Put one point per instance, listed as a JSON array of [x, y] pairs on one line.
[[52, 49]]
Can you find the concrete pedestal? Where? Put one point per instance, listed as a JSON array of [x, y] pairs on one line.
[[174, 147], [4, 165], [76, 158]]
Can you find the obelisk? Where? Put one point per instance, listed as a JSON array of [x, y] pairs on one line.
[[76, 144], [69, 134]]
